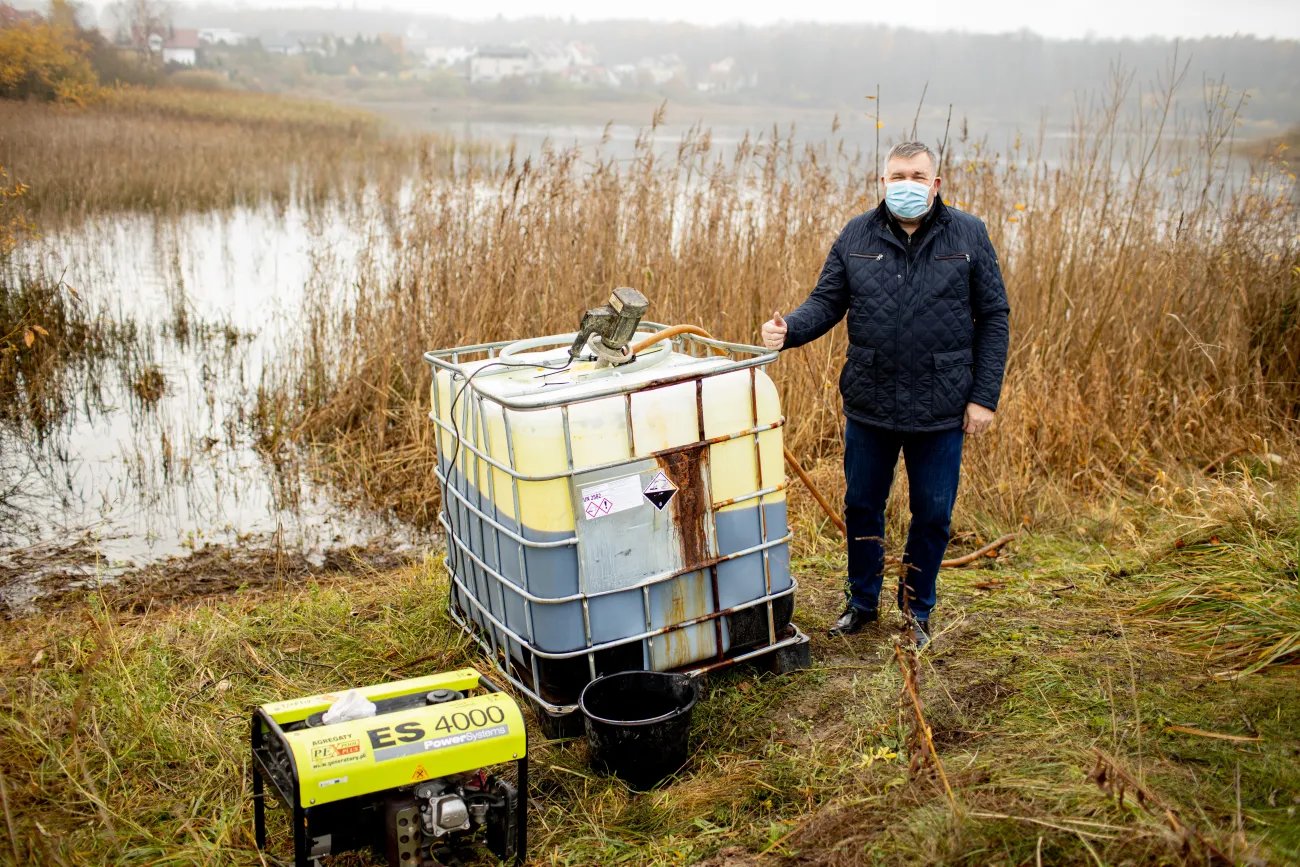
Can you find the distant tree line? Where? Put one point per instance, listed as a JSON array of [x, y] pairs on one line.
[[1016, 76]]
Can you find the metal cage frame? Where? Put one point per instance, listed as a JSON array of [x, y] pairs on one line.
[[739, 357]]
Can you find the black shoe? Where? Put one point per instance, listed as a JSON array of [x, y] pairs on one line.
[[921, 630], [853, 620]]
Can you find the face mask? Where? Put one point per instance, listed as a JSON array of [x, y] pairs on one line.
[[907, 199]]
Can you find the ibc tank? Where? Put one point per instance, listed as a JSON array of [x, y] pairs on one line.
[[602, 519]]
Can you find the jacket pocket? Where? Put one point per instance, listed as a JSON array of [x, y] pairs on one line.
[[954, 376], [858, 378], [953, 276], [864, 273]]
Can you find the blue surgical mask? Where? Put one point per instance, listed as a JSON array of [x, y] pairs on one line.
[[907, 199]]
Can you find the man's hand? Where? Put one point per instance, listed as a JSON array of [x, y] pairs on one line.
[[978, 418], [774, 332]]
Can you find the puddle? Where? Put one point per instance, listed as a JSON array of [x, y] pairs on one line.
[[154, 456]]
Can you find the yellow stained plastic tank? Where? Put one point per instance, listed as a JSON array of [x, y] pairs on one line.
[[602, 519]]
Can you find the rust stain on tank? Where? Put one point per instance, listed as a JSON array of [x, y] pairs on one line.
[[688, 596], [690, 505], [687, 600]]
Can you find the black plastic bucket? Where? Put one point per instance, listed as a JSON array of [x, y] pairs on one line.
[[638, 723]]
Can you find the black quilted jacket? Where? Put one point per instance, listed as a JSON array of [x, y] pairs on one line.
[[924, 339]]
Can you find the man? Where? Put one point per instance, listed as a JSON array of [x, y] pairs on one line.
[[927, 320]]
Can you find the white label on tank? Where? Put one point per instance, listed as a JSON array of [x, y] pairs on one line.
[[612, 496]]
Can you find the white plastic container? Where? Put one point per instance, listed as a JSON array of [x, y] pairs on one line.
[[602, 519]]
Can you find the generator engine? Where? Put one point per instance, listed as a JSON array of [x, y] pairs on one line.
[[411, 782]]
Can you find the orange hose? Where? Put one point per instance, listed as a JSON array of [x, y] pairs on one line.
[[676, 330], [671, 332]]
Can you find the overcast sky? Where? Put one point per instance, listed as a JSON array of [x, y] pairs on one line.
[[1054, 18]]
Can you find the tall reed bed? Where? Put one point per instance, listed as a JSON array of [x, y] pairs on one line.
[[174, 150], [1155, 297]]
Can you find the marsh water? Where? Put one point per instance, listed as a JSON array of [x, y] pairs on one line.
[[156, 454]]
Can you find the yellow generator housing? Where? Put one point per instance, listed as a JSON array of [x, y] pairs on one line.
[[409, 782]]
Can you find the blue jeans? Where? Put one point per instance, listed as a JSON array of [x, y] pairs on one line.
[[933, 470]]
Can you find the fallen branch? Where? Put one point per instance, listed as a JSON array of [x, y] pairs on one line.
[[982, 552], [1114, 780], [1201, 733], [1223, 457], [921, 742], [965, 559]]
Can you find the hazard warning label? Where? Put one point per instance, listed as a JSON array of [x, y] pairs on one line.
[[419, 774], [609, 497], [660, 490]]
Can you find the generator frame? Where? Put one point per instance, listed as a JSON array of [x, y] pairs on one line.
[[285, 785], [790, 648]]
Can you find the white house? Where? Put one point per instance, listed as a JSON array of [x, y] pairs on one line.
[[440, 56], [181, 48], [220, 36], [581, 54], [622, 75], [724, 77], [496, 63], [662, 69], [551, 59]]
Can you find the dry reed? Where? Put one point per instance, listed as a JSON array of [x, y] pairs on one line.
[[169, 151], [1155, 302]]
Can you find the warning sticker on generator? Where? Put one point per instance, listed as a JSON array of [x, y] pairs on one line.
[[660, 490], [612, 496]]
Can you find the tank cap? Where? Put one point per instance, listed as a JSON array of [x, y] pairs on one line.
[[442, 696]]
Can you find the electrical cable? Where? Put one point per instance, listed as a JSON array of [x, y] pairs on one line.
[[451, 414]]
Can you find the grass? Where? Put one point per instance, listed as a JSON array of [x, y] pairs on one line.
[[123, 728], [1234, 599]]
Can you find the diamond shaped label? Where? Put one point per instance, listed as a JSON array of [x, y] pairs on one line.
[[660, 490]]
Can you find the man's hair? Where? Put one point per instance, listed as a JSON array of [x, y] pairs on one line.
[[908, 149]]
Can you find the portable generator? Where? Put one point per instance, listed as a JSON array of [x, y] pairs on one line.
[[410, 782]]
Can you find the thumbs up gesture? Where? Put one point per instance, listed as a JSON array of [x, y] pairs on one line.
[[774, 331]]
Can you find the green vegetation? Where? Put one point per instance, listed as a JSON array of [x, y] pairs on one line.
[[123, 731]]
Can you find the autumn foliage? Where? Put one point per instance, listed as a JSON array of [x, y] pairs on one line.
[[46, 60], [12, 225]]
